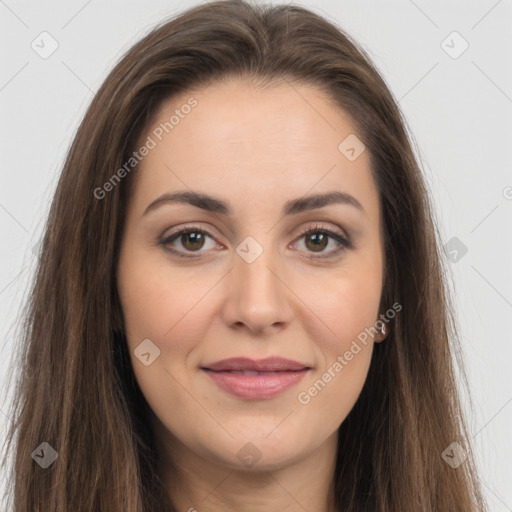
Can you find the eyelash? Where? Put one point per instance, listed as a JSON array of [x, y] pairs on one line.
[[345, 243]]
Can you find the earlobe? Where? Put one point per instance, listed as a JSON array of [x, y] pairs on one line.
[[382, 335]]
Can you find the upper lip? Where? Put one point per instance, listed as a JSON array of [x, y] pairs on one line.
[[269, 364]]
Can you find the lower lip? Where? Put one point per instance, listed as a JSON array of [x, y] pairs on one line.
[[263, 385]]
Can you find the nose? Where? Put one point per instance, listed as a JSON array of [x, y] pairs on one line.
[[257, 297]]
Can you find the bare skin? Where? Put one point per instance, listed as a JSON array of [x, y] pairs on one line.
[[254, 149]]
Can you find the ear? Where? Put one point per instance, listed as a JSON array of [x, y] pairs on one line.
[[381, 335]]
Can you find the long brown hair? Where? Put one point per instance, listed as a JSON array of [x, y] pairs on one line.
[[76, 389]]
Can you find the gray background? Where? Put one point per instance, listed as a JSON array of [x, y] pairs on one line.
[[459, 110]]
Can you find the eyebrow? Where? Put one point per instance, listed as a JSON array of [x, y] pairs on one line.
[[291, 207]]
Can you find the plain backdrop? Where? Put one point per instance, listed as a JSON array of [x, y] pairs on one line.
[[447, 63]]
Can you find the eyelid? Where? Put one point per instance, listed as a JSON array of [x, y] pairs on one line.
[[343, 240], [331, 232], [187, 228], [166, 239]]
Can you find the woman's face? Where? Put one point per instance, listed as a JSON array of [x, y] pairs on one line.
[[245, 282]]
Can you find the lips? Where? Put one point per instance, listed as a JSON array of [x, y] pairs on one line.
[[250, 379], [243, 364]]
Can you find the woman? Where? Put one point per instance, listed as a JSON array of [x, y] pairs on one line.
[[240, 300]]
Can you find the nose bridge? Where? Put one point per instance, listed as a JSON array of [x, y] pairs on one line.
[[257, 296], [252, 269]]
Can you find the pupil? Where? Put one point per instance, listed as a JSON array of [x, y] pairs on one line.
[[320, 240], [195, 239]]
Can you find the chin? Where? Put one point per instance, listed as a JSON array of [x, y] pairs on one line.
[[260, 452]]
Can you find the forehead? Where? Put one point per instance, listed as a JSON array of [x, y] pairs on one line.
[[252, 144]]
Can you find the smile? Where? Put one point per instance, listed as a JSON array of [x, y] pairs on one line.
[[253, 379]]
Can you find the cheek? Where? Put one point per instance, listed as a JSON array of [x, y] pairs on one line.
[[331, 393], [159, 303], [345, 352], [164, 306], [345, 306], [345, 298]]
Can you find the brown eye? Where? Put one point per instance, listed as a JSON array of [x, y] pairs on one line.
[[189, 240], [317, 242], [193, 240]]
